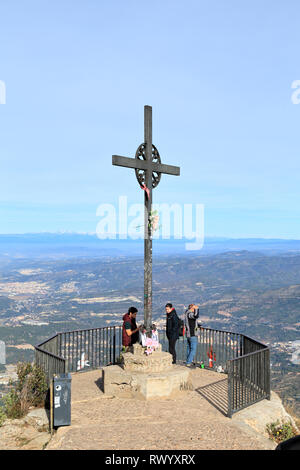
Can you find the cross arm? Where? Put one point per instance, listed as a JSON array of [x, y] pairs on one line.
[[145, 165], [128, 162], [167, 169]]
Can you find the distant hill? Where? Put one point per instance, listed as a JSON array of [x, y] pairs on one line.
[[66, 245]]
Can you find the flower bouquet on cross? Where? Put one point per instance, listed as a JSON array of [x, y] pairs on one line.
[[153, 221], [150, 344]]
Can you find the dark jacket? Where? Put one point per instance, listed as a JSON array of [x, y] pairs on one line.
[[135, 336], [172, 325], [127, 322]]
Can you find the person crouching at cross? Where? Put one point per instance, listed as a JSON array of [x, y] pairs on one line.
[[130, 331]]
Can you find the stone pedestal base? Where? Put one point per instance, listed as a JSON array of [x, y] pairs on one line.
[[138, 361], [143, 377], [120, 383]]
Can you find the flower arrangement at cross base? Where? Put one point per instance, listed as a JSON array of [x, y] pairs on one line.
[[150, 344]]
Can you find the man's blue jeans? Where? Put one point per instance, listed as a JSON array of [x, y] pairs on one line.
[[191, 348]]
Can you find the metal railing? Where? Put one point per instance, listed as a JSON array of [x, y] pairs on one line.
[[243, 359], [47, 357], [249, 376], [79, 350], [215, 348]]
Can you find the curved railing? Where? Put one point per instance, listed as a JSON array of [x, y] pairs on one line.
[[245, 360], [79, 350], [46, 356]]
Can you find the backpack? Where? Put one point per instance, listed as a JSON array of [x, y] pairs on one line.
[[181, 327]]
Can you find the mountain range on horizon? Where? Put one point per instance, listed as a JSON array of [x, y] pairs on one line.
[[66, 245]]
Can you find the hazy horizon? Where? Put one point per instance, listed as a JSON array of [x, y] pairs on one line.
[[94, 234], [78, 245]]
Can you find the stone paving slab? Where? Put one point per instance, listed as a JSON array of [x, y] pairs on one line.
[[191, 420]]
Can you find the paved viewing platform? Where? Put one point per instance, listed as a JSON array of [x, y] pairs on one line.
[[190, 419]]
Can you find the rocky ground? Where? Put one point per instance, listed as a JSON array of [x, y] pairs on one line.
[[28, 433], [190, 420], [193, 419]]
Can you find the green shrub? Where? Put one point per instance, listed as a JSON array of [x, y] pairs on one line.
[[29, 390], [2, 416], [12, 405], [23, 369], [32, 384], [280, 432]]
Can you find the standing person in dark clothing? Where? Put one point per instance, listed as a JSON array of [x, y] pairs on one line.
[[130, 331], [190, 317], [172, 329]]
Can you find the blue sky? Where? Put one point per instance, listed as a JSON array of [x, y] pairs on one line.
[[218, 76]]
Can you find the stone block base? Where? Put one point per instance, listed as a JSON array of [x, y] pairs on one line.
[[137, 361], [128, 384]]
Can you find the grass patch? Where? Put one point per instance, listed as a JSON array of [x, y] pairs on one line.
[[281, 431]]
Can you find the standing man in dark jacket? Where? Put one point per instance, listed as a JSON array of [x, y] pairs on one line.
[[172, 329]]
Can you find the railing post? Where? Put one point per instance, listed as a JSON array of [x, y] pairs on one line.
[[267, 371], [230, 383], [114, 345]]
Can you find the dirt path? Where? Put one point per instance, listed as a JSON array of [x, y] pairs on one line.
[[193, 420]]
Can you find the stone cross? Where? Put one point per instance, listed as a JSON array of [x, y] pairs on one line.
[[148, 170]]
